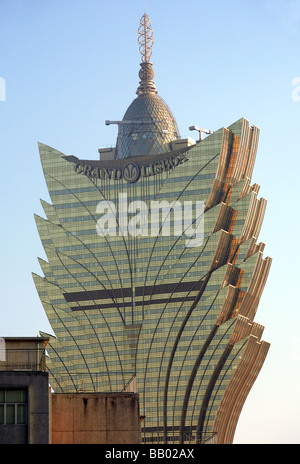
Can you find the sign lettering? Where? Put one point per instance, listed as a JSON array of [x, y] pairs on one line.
[[131, 172]]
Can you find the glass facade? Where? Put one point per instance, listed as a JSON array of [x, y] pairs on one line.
[[173, 320], [134, 301], [147, 128]]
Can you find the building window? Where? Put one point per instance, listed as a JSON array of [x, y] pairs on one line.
[[13, 407]]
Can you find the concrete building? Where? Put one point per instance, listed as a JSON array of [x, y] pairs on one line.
[[24, 391], [31, 414], [95, 418], [154, 270]]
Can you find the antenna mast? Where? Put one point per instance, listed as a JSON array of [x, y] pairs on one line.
[[145, 41]]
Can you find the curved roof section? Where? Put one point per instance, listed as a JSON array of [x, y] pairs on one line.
[[148, 125], [147, 128]]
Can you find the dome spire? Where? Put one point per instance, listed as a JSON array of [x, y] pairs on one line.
[[148, 126], [146, 73]]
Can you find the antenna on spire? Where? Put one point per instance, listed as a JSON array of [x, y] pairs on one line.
[[145, 39]]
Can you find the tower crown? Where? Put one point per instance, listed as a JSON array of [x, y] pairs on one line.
[[148, 125], [146, 73], [145, 38]]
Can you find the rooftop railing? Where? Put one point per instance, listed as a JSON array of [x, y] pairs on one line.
[[23, 359]]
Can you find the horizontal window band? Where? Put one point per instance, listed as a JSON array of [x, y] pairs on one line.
[[129, 304], [127, 292], [186, 428]]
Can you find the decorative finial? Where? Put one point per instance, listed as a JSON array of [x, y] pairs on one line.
[[145, 38], [146, 73]]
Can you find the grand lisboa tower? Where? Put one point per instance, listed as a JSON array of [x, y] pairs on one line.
[[154, 272]]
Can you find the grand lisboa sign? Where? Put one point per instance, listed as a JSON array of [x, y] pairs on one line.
[[131, 171]]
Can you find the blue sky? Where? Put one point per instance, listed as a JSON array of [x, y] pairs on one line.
[[68, 65]]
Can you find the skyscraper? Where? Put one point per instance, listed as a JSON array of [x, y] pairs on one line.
[[154, 270]]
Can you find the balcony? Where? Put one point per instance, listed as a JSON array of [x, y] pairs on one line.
[[23, 354]]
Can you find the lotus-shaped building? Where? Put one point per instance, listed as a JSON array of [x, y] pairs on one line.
[[154, 270]]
